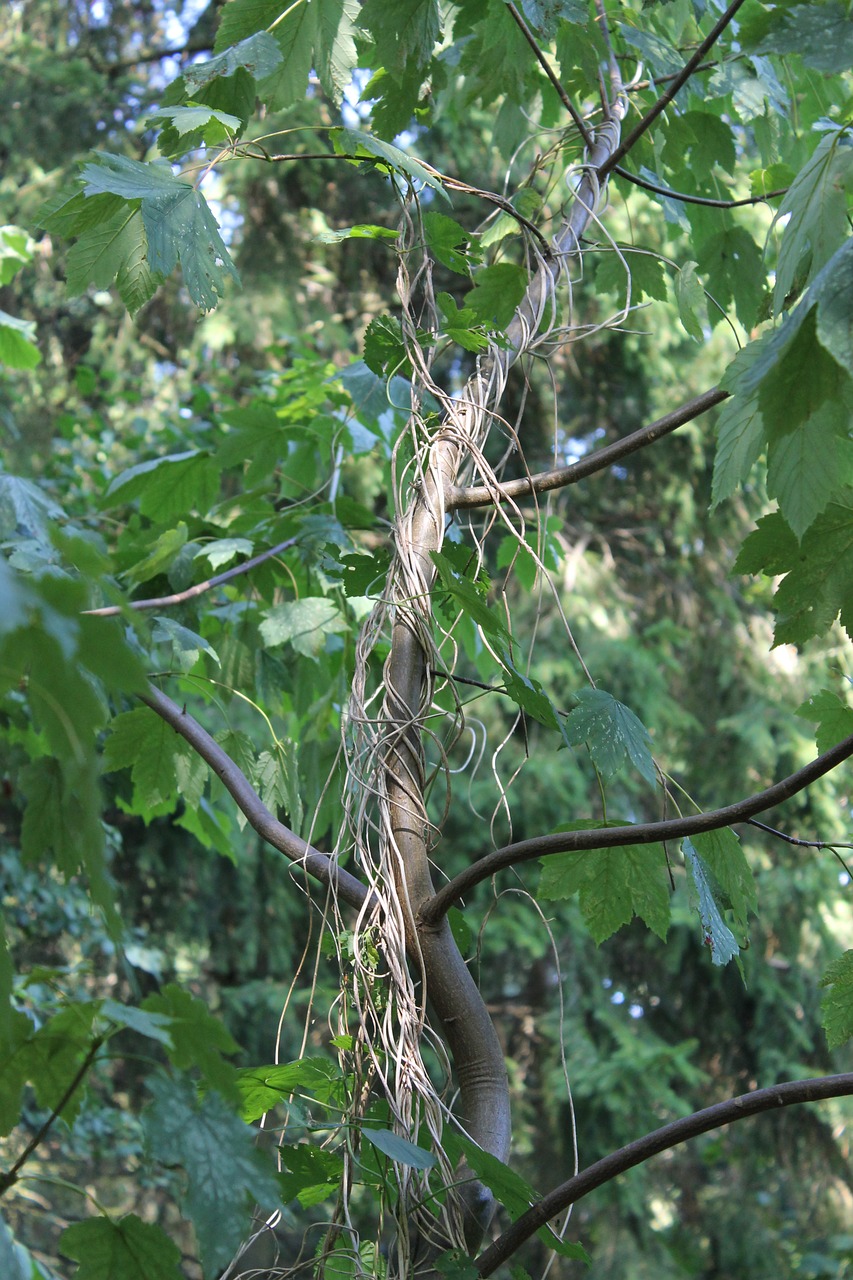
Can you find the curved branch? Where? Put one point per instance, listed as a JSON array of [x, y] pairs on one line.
[[577, 119], [319, 865], [791, 1093], [480, 495], [162, 602], [642, 833], [671, 90], [683, 198]]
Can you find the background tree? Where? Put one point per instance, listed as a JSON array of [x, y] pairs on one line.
[[333, 595]]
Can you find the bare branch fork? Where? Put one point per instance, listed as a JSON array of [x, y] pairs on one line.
[[642, 833], [791, 1093]]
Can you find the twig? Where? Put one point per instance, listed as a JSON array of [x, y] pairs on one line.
[[670, 92], [643, 833], [791, 1093], [803, 844], [319, 865], [162, 602], [9, 1178], [683, 198], [578, 120], [481, 495]]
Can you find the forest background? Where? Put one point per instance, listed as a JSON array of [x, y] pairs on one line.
[[384, 208]]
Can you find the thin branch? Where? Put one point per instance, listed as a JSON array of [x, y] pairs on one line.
[[162, 602], [803, 844], [319, 865], [481, 495], [9, 1178], [791, 1093], [643, 833], [683, 198], [670, 92], [578, 120]]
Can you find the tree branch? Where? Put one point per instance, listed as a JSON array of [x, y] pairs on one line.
[[643, 833], [480, 495], [9, 1178], [319, 865], [683, 198], [791, 1093], [577, 119], [162, 602], [671, 90]]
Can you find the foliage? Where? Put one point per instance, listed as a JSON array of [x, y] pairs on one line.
[[374, 254]]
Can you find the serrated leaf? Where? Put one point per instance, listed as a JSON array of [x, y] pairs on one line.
[[274, 774], [399, 1149], [384, 347], [467, 596], [141, 741], [225, 1171], [55, 1055], [612, 732], [165, 551], [213, 126], [497, 292], [312, 1175], [186, 644], [334, 49], [403, 33], [821, 34], [262, 1088], [836, 1006], [364, 575], [221, 551], [613, 885], [810, 465], [258, 54], [530, 696], [508, 1187], [445, 238], [718, 936], [25, 509], [116, 250], [816, 210], [734, 271], [197, 1039], [360, 143], [835, 306], [180, 227], [722, 853], [306, 624], [834, 718], [168, 487], [153, 1026], [740, 440], [17, 342], [690, 297], [361, 231], [121, 1249]]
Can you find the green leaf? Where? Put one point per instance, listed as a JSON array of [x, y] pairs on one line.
[[834, 718], [334, 50], [818, 585], [141, 741], [468, 596], [462, 325], [313, 1174], [259, 55], [809, 466], [25, 509], [403, 32], [722, 853], [152, 1025], [718, 936], [361, 231], [221, 551], [193, 125], [225, 1171], [444, 236], [836, 1006], [262, 1088], [543, 15], [690, 298], [530, 696], [734, 271], [835, 306], [161, 556], [62, 814], [355, 141], [740, 440], [168, 487], [821, 34], [123, 1249], [116, 250], [130, 179], [384, 347], [496, 294], [306, 624], [197, 1038], [399, 1149], [364, 575], [186, 644], [274, 775], [15, 1264], [17, 342], [816, 211], [508, 1187], [612, 733], [613, 885], [56, 1053]]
